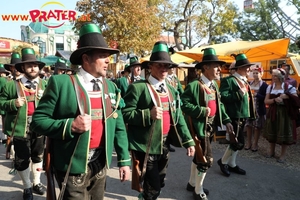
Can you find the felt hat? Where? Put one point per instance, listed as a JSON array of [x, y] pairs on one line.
[[160, 54], [3, 70], [241, 60], [134, 61], [209, 56], [28, 56], [14, 58], [61, 64], [90, 37], [127, 68]]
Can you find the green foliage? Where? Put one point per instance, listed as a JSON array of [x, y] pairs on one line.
[[132, 23]]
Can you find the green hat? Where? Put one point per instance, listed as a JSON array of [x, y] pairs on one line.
[[3, 70], [241, 60], [160, 54], [15, 58], [61, 64], [28, 56], [209, 56], [134, 61], [90, 37]]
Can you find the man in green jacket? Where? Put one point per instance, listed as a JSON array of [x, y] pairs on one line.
[[81, 114], [153, 113], [3, 79], [19, 98], [132, 74], [204, 111], [238, 101]]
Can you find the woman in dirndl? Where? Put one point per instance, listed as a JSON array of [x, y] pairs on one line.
[[280, 121]]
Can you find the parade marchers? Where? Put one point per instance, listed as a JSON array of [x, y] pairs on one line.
[[82, 115]]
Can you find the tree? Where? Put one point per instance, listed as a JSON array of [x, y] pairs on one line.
[[133, 24], [193, 21], [266, 21]]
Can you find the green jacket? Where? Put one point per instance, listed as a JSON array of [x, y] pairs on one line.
[[194, 104], [57, 110], [3, 81], [237, 106], [122, 84], [7, 103], [137, 114]]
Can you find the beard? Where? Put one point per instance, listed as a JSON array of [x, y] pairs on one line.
[[31, 75]]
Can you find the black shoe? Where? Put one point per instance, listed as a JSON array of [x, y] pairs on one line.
[[39, 189], [237, 170], [199, 196], [27, 194], [224, 168], [190, 188]]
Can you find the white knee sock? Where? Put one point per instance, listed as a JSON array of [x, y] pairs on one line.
[[193, 174], [36, 173], [199, 183], [227, 155], [232, 160], [25, 177]]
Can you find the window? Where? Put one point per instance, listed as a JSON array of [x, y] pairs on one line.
[[59, 46]]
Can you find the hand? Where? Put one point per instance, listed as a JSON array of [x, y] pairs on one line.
[[207, 111], [124, 173], [284, 96], [156, 112], [278, 99], [19, 102], [81, 123], [229, 128], [190, 151]]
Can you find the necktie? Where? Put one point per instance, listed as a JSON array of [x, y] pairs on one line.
[[161, 88], [212, 87], [95, 84], [31, 84]]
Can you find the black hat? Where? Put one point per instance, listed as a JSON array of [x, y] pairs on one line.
[[160, 54], [2, 69], [133, 61], [90, 37], [241, 60], [209, 56], [28, 56], [15, 58], [61, 64], [127, 68]]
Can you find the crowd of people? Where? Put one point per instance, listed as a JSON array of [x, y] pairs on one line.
[[86, 115]]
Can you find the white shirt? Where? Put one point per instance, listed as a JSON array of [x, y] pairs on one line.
[[24, 81], [85, 79], [206, 81], [292, 89], [155, 83]]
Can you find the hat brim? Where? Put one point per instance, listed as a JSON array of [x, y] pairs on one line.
[[199, 65], [7, 66], [245, 65], [18, 66], [135, 64], [4, 71], [145, 64], [75, 57]]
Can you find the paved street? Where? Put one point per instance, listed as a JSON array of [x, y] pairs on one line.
[[263, 181]]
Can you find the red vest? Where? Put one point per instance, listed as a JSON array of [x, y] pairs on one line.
[[166, 118], [30, 96], [97, 131], [211, 102]]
